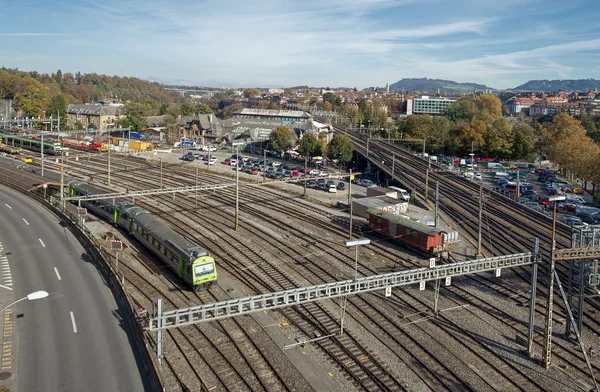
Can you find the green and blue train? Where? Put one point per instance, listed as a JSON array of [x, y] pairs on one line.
[[50, 147], [191, 263]]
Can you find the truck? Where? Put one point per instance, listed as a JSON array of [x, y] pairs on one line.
[[495, 165]]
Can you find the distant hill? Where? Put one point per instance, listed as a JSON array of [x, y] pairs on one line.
[[562, 85], [433, 85]]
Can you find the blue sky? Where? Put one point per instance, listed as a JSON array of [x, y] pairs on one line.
[[277, 43]]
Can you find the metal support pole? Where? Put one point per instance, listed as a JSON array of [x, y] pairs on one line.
[[368, 147], [305, 174], [582, 264], [117, 259], [42, 150], [350, 202], [393, 164], [161, 181], [437, 203], [569, 297], [356, 262], [237, 187], [480, 220], [159, 338], [550, 304], [209, 158], [436, 297], [108, 174], [518, 186], [534, 270], [581, 345], [426, 185], [423, 147], [343, 309], [196, 195], [265, 168]]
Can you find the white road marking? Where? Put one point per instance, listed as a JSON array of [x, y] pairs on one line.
[[8, 206], [57, 274], [73, 321], [6, 287], [25, 221], [42, 242]]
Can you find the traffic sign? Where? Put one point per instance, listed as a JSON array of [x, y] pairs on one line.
[[116, 245], [82, 211]]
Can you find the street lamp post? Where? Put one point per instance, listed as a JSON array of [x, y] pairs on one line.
[[356, 243], [237, 145], [31, 296], [550, 304]]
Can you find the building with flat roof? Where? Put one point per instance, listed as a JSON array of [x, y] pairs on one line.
[[273, 114], [428, 105]]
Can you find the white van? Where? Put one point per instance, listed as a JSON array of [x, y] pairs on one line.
[[401, 194], [502, 176]]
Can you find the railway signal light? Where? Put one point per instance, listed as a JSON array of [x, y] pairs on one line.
[[116, 245]]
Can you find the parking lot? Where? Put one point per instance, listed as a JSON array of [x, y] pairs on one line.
[[289, 174], [536, 188]]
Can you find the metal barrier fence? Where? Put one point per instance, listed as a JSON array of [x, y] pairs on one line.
[[107, 264]]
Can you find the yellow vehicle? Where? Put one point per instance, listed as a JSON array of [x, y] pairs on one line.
[[578, 190], [27, 160]]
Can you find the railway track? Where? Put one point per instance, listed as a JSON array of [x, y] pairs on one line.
[[320, 223]]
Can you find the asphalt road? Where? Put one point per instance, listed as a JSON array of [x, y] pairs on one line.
[[74, 340]]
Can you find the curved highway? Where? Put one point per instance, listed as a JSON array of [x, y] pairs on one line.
[[74, 340]]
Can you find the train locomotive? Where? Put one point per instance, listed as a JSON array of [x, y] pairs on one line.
[[50, 147], [189, 261]]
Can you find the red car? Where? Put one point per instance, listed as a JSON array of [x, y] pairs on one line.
[[295, 174], [227, 161], [566, 207], [253, 171], [545, 202]]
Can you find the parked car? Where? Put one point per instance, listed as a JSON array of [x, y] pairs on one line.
[[227, 161], [311, 183], [314, 172], [588, 218], [254, 171], [233, 162], [287, 174], [477, 177], [567, 207], [323, 173], [571, 220], [276, 164], [331, 188], [367, 183], [188, 157], [212, 160], [295, 174], [321, 183], [341, 186]]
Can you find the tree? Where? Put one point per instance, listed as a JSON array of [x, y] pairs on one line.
[[524, 142], [340, 148], [333, 99], [188, 109], [33, 99], [489, 108], [281, 139], [462, 110], [58, 77], [251, 92], [163, 109], [327, 106], [499, 138], [473, 135], [58, 108], [563, 126], [203, 109], [229, 111], [136, 115], [309, 145]]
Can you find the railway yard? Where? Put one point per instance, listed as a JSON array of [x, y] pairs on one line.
[[286, 241]]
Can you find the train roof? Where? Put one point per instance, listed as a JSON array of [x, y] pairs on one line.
[[88, 189], [163, 232], [411, 224]]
